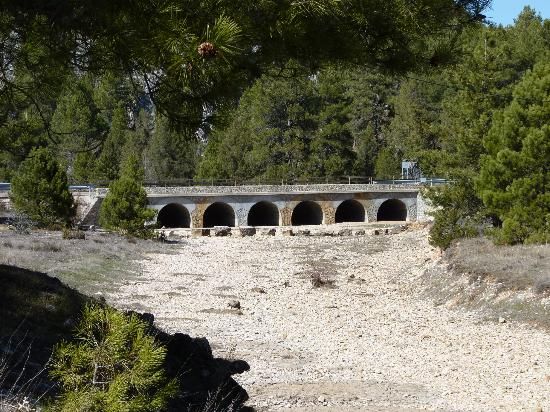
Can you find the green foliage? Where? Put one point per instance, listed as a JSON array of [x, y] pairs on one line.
[[172, 153], [125, 206], [40, 190], [108, 163], [514, 180], [457, 212], [387, 165], [495, 59], [204, 54], [114, 365], [288, 128]]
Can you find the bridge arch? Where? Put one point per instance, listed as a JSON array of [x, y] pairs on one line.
[[174, 215], [307, 213], [218, 214], [392, 210], [263, 214], [350, 211]]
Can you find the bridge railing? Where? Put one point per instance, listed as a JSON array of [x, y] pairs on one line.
[[351, 180]]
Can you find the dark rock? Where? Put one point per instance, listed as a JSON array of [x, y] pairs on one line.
[[234, 304], [222, 231], [247, 231], [268, 231]]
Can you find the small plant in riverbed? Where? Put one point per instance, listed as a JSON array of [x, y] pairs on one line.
[[319, 281], [73, 234]]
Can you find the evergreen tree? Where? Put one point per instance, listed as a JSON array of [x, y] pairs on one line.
[[332, 142], [483, 83], [114, 365], [172, 153], [108, 163], [40, 190], [514, 181], [125, 206], [76, 122], [387, 165]]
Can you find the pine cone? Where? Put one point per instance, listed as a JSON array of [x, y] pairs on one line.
[[207, 49]]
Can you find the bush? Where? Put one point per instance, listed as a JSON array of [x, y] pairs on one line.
[[125, 206], [73, 234], [458, 212], [114, 365], [40, 190]]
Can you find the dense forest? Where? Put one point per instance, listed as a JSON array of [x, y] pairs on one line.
[[467, 100]]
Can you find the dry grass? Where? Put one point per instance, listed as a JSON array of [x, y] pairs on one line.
[[510, 282], [514, 267], [101, 261]]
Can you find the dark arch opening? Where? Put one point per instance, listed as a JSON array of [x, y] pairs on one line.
[[263, 214], [219, 214], [307, 213], [392, 210], [174, 215], [350, 211]]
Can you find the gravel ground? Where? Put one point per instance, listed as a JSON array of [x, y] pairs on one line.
[[368, 342]]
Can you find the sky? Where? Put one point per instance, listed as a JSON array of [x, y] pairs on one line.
[[505, 11]]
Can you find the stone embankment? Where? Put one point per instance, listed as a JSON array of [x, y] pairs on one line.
[[360, 337]]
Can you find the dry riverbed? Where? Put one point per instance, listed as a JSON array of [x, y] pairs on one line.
[[368, 339]]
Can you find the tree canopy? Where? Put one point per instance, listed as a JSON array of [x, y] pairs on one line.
[[207, 51]]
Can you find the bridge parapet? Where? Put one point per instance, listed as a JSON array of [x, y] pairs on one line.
[[281, 189]]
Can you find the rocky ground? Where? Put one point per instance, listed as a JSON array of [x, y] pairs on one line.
[[365, 339]]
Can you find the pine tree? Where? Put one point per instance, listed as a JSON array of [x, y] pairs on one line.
[[125, 206], [114, 365], [514, 181], [40, 190], [108, 163], [172, 153]]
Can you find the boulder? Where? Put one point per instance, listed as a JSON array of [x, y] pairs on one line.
[[247, 231], [344, 232], [222, 231], [267, 231]]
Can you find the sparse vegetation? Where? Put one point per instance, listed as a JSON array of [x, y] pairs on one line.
[[73, 234], [319, 281], [510, 282], [100, 262]]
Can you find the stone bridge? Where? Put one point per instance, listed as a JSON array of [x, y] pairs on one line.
[[285, 205], [269, 205]]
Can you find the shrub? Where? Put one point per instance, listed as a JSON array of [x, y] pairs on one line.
[[73, 234], [114, 365], [317, 281], [125, 206], [40, 190]]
